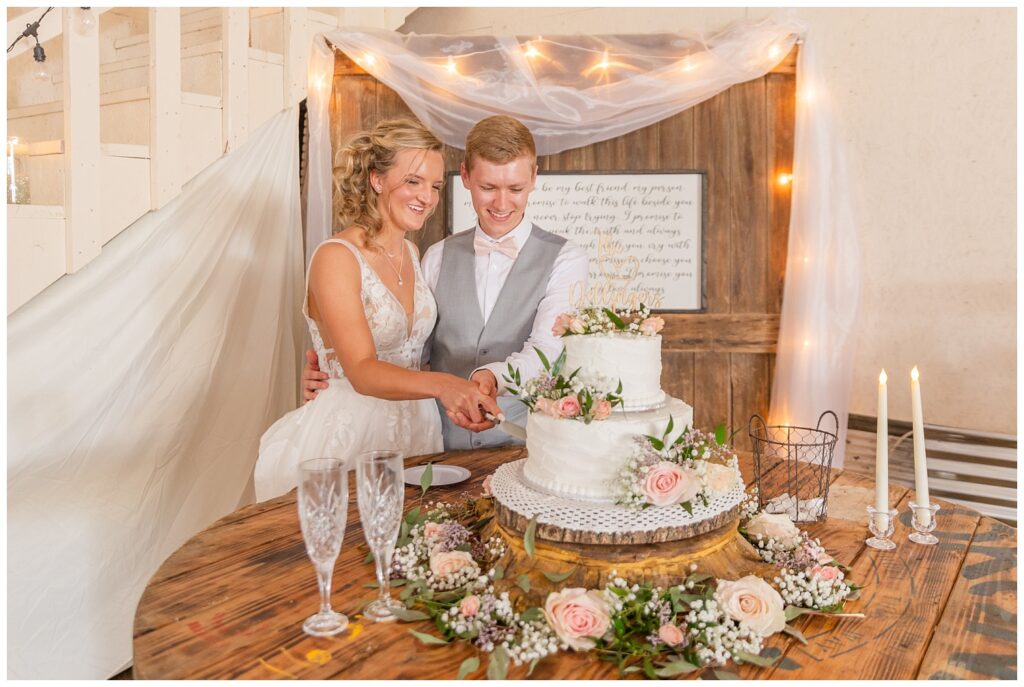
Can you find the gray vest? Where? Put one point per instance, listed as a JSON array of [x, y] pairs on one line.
[[461, 342]]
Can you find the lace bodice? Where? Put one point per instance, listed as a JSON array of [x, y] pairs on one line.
[[396, 342]]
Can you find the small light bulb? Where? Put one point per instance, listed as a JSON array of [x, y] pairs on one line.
[[530, 51], [784, 179], [774, 52], [85, 20], [40, 70], [603, 64], [883, 378], [807, 343], [369, 59], [914, 374], [452, 69]]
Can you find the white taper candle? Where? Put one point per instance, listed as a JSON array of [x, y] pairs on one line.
[[920, 462], [882, 456]]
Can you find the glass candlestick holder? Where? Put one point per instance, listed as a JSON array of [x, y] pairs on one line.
[[881, 539], [922, 531]]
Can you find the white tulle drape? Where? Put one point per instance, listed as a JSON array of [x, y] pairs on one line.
[[138, 390], [574, 91]]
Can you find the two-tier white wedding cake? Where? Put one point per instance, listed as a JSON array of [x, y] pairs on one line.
[[581, 460]]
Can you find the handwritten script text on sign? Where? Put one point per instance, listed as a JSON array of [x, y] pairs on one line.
[[642, 232]]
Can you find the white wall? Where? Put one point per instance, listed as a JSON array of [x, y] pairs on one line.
[[926, 100]]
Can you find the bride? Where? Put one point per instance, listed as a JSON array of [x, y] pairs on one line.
[[369, 314]]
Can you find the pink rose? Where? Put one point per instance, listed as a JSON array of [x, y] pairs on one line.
[[469, 606], [432, 530], [545, 406], [448, 562], [817, 554], [668, 484], [577, 616], [671, 635], [652, 325], [568, 406], [602, 410], [561, 325], [576, 325], [487, 486], [825, 572]]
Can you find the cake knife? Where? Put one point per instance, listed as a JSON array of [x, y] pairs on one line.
[[509, 428]]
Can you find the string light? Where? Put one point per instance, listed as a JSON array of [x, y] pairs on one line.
[[774, 52], [785, 179], [452, 68], [807, 343], [531, 50], [367, 59]]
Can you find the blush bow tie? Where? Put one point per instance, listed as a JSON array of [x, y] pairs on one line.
[[507, 246]]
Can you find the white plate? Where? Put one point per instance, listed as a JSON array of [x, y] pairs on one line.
[[443, 475]]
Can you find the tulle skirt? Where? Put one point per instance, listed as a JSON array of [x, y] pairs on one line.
[[342, 423]]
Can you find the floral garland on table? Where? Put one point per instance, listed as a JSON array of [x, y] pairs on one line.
[[449, 574], [694, 465], [598, 320], [552, 393]]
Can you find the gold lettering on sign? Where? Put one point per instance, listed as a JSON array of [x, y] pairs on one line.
[[615, 287]]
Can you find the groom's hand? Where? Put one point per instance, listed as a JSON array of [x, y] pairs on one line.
[[312, 377], [486, 381]]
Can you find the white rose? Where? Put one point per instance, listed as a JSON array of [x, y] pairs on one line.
[[775, 526], [720, 478], [751, 600], [446, 563]]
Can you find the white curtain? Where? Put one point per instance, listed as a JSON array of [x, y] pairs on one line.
[[138, 390], [577, 90]]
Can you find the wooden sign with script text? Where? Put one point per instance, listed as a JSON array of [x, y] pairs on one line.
[[643, 232]]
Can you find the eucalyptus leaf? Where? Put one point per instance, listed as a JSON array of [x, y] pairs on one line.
[[559, 577], [523, 582], [427, 639], [531, 614], [793, 632], [632, 669], [559, 363], [616, 320], [754, 659], [529, 536], [468, 666], [426, 478], [412, 516], [649, 669], [371, 585], [679, 667], [409, 615], [479, 524], [725, 674], [533, 664], [369, 557], [698, 577], [795, 612], [688, 507], [497, 667], [668, 429], [543, 359], [499, 572], [720, 433]]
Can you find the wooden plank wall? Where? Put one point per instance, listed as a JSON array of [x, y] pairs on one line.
[[722, 361]]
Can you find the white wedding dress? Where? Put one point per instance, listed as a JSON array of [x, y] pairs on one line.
[[342, 423]]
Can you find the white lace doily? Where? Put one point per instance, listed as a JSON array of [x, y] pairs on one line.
[[510, 488]]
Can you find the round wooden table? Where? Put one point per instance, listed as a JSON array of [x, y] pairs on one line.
[[231, 601]]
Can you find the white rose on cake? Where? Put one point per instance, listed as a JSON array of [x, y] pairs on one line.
[[719, 478]]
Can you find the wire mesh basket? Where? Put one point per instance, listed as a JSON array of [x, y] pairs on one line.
[[792, 466]]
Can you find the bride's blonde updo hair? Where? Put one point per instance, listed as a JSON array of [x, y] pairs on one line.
[[373, 151]]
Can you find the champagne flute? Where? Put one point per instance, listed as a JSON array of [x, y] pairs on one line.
[[381, 492], [323, 510]]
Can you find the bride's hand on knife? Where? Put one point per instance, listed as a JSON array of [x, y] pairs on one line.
[[466, 404]]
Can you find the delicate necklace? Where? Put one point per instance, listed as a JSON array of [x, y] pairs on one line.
[[401, 262]]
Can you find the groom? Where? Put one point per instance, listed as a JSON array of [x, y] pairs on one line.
[[498, 286]]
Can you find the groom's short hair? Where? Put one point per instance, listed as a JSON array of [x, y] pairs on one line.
[[499, 139]]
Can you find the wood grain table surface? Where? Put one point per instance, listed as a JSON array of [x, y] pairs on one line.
[[230, 603]]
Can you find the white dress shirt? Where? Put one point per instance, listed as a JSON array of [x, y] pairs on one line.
[[570, 267]]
